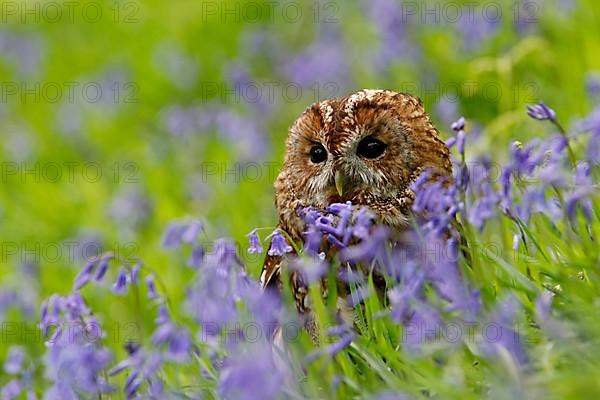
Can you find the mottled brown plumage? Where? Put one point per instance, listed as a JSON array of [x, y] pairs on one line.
[[345, 127]]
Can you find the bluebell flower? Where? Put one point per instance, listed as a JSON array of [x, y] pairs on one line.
[[213, 296], [579, 197], [363, 223], [483, 208], [177, 339], [498, 333], [591, 124], [313, 239], [391, 395], [525, 158], [459, 125], [451, 141], [255, 243], [592, 84], [102, 268], [461, 141], [310, 270], [541, 112], [85, 275], [372, 248], [73, 362], [196, 257], [474, 29], [132, 383], [279, 245], [11, 390], [191, 232], [551, 326], [135, 271], [323, 62], [422, 326], [251, 373], [408, 289], [144, 367], [152, 292], [394, 44], [120, 286], [172, 236], [552, 175], [14, 360], [506, 185]]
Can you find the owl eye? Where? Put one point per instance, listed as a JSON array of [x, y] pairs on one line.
[[318, 154], [370, 148]]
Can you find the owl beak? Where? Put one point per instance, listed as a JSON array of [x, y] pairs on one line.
[[340, 182]]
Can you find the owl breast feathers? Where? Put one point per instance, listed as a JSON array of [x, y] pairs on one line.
[[366, 148]]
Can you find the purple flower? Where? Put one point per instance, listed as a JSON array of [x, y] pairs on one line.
[[279, 245], [102, 268], [191, 233], [459, 125], [212, 298], [152, 292], [394, 44], [592, 84], [363, 223], [196, 257], [251, 373], [551, 326], [11, 390], [173, 235], [135, 271], [582, 175], [85, 275], [369, 249], [552, 175], [408, 289], [498, 334], [143, 367], [460, 142], [484, 208], [451, 142], [421, 327], [592, 124], [579, 197], [14, 360], [474, 31], [322, 61], [120, 286], [580, 194], [438, 203], [255, 244], [541, 112], [310, 270], [178, 341], [390, 395], [525, 158], [74, 361]]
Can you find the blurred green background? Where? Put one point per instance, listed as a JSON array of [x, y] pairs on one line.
[[164, 98]]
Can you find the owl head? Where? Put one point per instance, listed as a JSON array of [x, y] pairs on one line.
[[366, 148]]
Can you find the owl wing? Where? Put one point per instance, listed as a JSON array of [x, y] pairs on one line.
[[270, 276]]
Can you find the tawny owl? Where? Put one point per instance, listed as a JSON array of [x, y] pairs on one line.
[[366, 148]]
